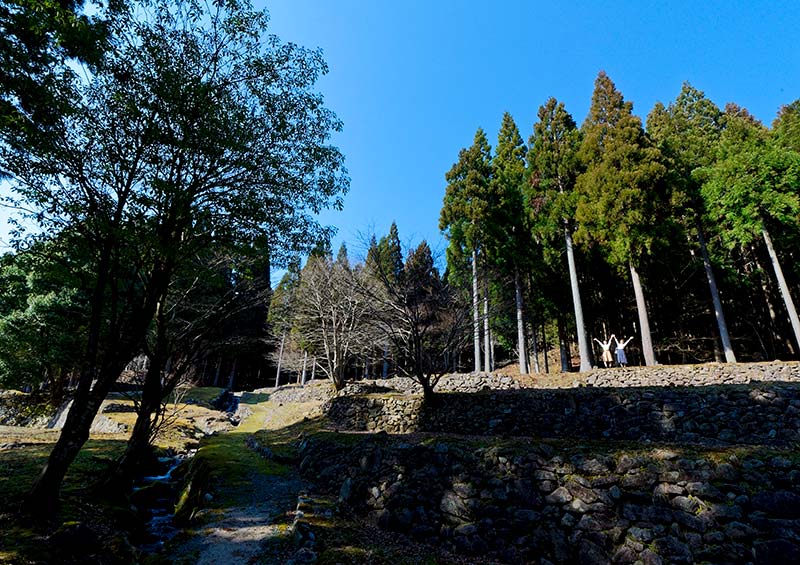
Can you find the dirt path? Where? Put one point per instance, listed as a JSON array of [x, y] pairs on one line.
[[251, 529], [242, 534]]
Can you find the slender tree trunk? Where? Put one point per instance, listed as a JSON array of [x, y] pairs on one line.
[[712, 285], [487, 345], [787, 297], [535, 346], [232, 378], [217, 380], [583, 342], [138, 448], [563, 346], [280, 361], [475, 313], [522, 352], [314, 368], [385, 370], [544, 351], [491, 339], [775, 335], [644, 322], [305, 363], [43, 496]]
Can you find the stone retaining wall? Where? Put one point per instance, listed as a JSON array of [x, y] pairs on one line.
[[756, 414], [712, 409], [707, 374], [546, 503]]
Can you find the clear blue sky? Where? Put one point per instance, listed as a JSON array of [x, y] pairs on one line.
[[413, 80]]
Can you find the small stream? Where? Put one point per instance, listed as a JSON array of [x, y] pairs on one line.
[[155, 496]]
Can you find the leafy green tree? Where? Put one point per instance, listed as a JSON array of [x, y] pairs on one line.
[[507, 233], [463, 217], [194, 132], [752, 189], [786, 127], [687, 132], [621, 193], [42, 318], [553, 169], [38, 40]]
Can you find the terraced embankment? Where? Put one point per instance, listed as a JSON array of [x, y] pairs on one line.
[[702, 467]]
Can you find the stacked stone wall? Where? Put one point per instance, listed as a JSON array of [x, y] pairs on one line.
[[659, 465]]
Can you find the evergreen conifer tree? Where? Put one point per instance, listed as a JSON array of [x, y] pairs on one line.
[[507, 230], [621, 193], [554, 167], [752, 189], [687, 132], [464, 212]]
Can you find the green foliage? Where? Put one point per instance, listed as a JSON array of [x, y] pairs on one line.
[[386, 255], [786, 127], [467, 203], [43, 314], [507, 230], [38, 40], [553, 170], [686, 132], [749, 189], [621, 194]]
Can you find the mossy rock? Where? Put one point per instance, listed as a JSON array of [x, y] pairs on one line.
[[191, 497]]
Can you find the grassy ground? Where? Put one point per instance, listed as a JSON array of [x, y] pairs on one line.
[[26, 452]]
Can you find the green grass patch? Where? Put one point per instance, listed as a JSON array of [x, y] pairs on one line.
[[201, 396]]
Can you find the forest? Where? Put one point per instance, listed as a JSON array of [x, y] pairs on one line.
[[191, 155], [649, 232]]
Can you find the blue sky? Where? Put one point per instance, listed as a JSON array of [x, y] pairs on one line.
[[413, 80]]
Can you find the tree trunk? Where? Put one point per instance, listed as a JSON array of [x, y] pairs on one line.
[[712, 285], [314, 368], [385, 369], [487, 346], [787, 298], [305, 363], [475, 313], [43, 497], [535, 347], [138, 448], [280, 361], [217, 381], [232, 378], [563, 346], [775, 334], [544, 351], [644, 322], [522, 352], [583, 342]]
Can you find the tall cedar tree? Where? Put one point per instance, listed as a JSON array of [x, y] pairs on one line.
[[508, 240], [464, 217], [687, 132], [553, 169], [752, 189], [621, 193]]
